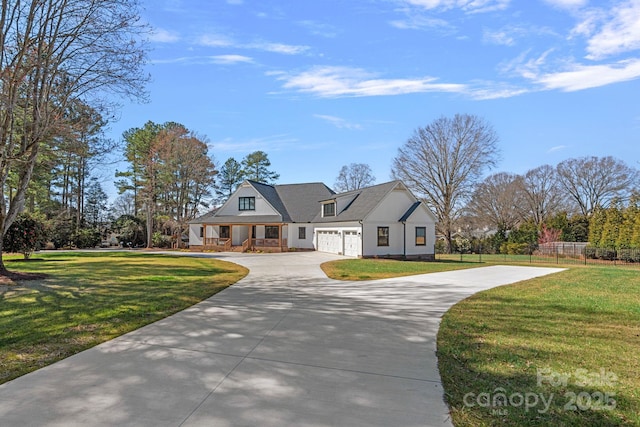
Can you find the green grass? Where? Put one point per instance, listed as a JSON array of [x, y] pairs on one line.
[[583, 323], [89, 298], [370, 269], [581, 319]]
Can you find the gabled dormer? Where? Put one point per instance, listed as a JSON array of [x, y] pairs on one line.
[[328, 208]]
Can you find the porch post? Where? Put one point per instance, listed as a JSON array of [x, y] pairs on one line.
[[280, 236], [204, 236]]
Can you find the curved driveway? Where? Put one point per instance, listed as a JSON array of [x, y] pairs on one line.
[[285, 346]]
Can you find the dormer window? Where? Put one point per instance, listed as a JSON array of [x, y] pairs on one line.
[[329, 209], [247, 203]]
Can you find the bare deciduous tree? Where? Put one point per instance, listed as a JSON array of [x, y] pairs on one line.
[[55, 52], [442, 162], [354, 177], [596, 181], [542, 196], [495, 202]]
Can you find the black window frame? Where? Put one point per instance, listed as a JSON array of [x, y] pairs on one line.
[[226, 234], [302, 233], [423, 236], [329, 212], [268, 232], [247, 203], [201, 231], [383, 239]]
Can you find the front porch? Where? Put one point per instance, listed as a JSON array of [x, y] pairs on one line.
[[243, 238]]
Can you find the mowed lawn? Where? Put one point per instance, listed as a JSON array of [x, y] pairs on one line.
[[371, 269], [89, 298], [561, 350]]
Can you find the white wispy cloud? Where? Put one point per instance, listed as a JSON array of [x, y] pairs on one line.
[[580, 77], [219, 40], [333, 82], [203, 60], [469, 6], [419, 21], [619, 34], [557, 148], [338, 122], [215, 40], [271, 143], [231, 59], [567, 4], [285, 49], [319, 29], [511, 34], [160, 35]]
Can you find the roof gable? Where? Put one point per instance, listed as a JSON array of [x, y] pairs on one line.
[[359, 203]]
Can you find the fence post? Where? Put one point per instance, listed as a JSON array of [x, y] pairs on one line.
[[557, 257]]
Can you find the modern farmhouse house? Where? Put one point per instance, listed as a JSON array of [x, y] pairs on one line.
[[384, 220]]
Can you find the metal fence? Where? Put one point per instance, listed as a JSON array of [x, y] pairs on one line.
[[567, 254]]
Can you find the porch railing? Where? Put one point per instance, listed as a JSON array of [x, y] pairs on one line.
[[217, 242], [250, 244]]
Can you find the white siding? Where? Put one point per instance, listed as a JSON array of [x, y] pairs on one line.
[[194, 235], [294, 241], [421, 217], [231, 207]]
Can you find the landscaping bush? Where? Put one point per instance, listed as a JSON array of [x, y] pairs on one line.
[[161, 241], [86, 238], [606, 254], [26, 235], [515, 248]]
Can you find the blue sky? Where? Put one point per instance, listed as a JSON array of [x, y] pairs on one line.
[[321, 84]]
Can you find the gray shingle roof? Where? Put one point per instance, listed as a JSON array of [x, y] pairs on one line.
[[294, 202], [366, 199], [303, 200], [300, 203]]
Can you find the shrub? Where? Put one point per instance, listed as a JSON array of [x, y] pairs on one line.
[[515, 248], [161, 241], [26, 235], [86, 238]]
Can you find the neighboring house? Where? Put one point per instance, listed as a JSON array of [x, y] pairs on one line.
[[384, 220]]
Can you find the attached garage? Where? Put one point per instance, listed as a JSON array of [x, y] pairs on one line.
[[329, 241], [352, 243], [339, 241]]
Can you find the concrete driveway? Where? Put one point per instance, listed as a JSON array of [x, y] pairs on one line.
[[285, 346]]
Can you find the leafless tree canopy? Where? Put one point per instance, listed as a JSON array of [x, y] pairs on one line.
[[496, 201], [542, 196], [54, 53], [595, 181], [354, 177], [442, 162]]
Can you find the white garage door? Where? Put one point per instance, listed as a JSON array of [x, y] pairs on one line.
[[351, 243], [329, 241]]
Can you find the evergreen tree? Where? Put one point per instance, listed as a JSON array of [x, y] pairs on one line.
[[612, 224], [629, 215], [95, 204], [596, 226], [255, 166], [229, 178]]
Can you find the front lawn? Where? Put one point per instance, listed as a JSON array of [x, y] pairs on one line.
[[89, 298], [557, 350], [370, 269], [562, 349]]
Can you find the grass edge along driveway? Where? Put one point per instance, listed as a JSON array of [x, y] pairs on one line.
[[555, 350], [90, 298]]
